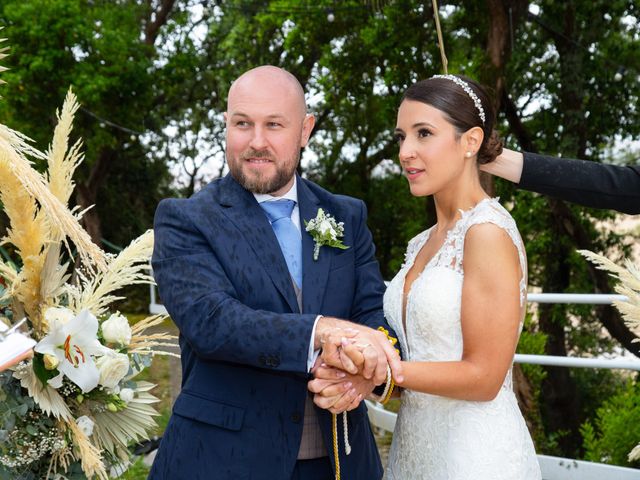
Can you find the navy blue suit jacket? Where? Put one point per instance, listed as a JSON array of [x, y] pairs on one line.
[[584, 182], [225, 283]]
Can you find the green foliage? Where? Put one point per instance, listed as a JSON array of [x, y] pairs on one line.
[[41, 372], [560, 77], [615, 430], [96, 49], [137, 471], [532, 342]]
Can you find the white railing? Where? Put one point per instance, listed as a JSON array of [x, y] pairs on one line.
[[553, 468], [155, 308], [578, 362], [581, 298]]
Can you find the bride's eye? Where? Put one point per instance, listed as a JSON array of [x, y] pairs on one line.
[[423, 133], [398, 138]]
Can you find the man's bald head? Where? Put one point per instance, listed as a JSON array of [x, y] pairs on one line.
[[267, 125], [269, 77]]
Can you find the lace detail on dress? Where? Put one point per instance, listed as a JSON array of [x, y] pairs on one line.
[[441, 438]]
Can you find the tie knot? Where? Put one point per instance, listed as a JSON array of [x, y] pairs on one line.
[[278, 209]]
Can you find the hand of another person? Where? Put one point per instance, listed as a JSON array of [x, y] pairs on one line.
[[338, 391]]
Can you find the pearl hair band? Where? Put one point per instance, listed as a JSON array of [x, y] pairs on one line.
[[465, 86]]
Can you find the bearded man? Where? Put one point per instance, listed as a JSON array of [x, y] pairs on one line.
[[238, 275]]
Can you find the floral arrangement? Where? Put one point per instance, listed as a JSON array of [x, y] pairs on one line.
[[325, 231], [629, 286], [72, 410]]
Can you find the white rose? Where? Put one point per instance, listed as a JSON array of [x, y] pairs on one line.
[[126, 395], [112, 369], [325, 227], [51, 362], [116, 329], [85, 424], [60, 315]]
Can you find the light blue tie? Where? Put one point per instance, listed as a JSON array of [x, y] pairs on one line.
[[279, 213]]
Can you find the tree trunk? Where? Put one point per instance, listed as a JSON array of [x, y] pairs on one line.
[[503, 17], [87, 194], [560, 405]]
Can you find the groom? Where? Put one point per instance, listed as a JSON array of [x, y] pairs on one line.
[[236, 271]]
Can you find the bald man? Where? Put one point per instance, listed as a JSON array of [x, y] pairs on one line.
[[236, 271]]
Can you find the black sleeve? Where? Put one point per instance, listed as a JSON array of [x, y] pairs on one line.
[[584, 182]]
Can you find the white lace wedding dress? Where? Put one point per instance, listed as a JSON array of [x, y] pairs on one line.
[[442, 438]]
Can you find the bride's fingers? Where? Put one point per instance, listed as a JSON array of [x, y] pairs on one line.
[[392, 356], [325, 372], [331, 354], [380, 373], [355, 404], [326, 402], [335, 389], [375, 363], [354, 353], [369, 357], [332, 351], [316, 386], [346, 401], [350, 363]]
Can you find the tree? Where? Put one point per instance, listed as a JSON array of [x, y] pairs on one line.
[[105, 51]]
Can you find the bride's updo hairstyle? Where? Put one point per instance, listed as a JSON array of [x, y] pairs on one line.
[[465, 104]]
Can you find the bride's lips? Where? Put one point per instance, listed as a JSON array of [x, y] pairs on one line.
[[412, 173]]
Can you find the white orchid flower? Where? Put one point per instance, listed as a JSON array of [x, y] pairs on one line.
[[73, 344]]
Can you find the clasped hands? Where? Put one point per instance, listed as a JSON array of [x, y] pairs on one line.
[[354, 360]]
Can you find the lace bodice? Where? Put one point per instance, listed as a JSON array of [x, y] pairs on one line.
[[442, 438]]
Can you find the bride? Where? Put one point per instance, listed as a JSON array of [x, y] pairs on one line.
[[458, 302]]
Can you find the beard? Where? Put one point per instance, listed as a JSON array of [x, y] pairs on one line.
[[258, 182]]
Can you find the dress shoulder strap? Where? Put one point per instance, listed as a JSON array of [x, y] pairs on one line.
[[414, 246], [490, 211]]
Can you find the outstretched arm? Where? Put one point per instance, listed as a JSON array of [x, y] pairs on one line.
[[507, 165], [204, 303], [583, 182]]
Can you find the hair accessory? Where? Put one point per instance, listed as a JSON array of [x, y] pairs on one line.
[[465, 86]]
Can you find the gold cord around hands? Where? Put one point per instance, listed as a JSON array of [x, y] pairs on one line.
[[388, 391]]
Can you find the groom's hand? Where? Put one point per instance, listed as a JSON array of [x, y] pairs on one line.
[[357, 349], [338, 391]]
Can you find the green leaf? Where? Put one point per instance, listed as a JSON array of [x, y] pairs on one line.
[[41, 372], [22, 410]]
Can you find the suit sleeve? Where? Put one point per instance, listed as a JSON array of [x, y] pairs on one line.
[[203, 303], [584, 182], [370, 287]]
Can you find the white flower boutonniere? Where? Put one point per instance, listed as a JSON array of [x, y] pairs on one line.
[[325, 231]]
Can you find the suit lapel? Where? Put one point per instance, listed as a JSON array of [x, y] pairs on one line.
[[241, 208], [314, 272]]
